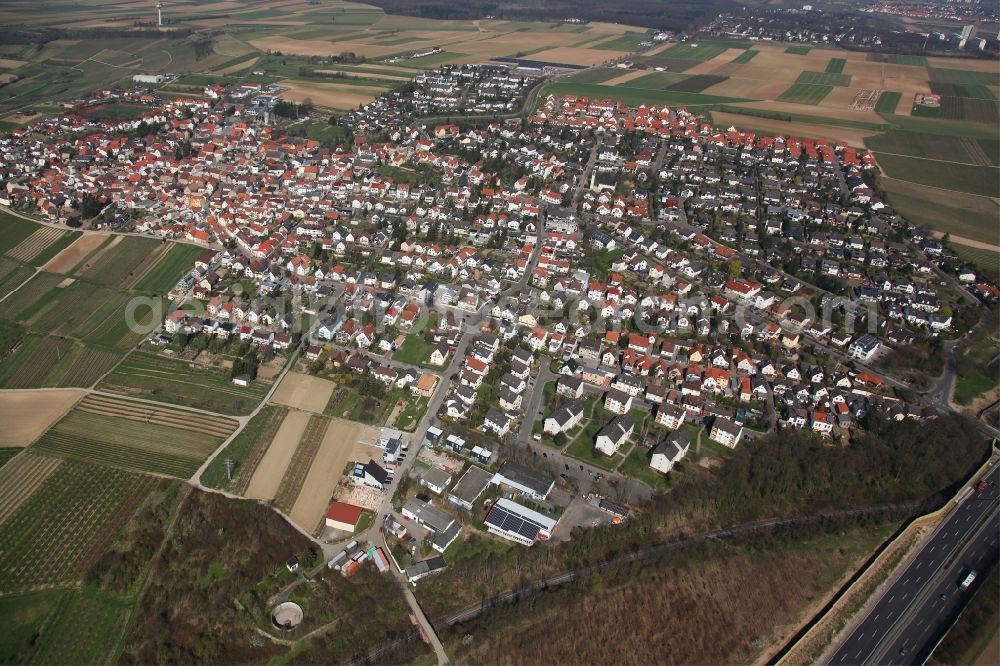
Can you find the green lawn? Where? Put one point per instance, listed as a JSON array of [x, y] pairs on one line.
[[978, 368], [583, 449], [636, 465], [415, 351]]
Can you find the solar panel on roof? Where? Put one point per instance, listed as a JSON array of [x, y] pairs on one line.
[[509, 522]]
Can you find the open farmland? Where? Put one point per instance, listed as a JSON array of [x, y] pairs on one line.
[[70, 258], [26, 415], [300, 462], [90, 434], [971, 179], [152, 376], [636, 96], [805, 93], [116, 266], [340, 445], [65, 523], [20, 477], [53, 361], [142, 412], [271, 469], [14, 231], [245, 451], [304, 392], [41, 245], [160, 277], [85, 629]]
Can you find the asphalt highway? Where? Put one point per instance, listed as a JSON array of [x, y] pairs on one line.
[[919, 605]]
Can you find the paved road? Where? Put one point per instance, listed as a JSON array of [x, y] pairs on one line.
[[917, 607], [735, 531]]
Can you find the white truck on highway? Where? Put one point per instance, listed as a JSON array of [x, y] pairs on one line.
[[967, 582]]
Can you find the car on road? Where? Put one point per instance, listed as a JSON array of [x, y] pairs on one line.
[[536, 437]]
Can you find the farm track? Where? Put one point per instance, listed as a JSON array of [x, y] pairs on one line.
[[19, 479], [34, 244], [298, 466], [249, 466], [174, 418]]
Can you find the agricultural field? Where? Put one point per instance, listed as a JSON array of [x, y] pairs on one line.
[[64, 523], [26, 415], [158, 377], [596, 75], [135, 436], [24, 616], [805, 93], [968, 178], [745, 57], [14, 231], [343, 442], [887, 102], [121, 258], [245, 451], [836, 65], [53, 361], [798, 50], [825, 78], [636, 96], [304, 392], [266, 475], [87, 627], [300, 462], [171, 265]]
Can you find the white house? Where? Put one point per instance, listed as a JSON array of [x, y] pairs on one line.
[[618, 402], [612, 436], [564, 418], [670, 451], [726, 432]]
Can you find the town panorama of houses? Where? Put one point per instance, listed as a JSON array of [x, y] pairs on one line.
[[698, 274]]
